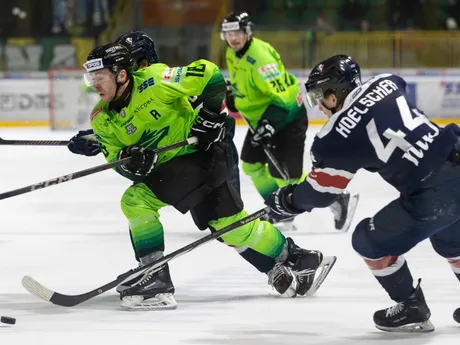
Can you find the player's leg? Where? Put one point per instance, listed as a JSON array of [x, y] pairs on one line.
[[199, 214], [275, 255], [255, 166], [393, 231], [141, 206], [288, 147], [447, 244]]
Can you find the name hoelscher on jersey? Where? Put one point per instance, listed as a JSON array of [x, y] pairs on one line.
[[159, 112], [379, 130]]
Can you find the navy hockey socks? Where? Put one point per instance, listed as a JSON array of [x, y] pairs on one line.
[[398, 285]]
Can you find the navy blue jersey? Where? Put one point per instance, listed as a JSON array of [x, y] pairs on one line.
[[379, 130]]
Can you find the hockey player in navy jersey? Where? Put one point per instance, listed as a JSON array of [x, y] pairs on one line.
[[373, 126]]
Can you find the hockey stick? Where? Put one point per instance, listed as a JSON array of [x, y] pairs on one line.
[[89, 171], [40, 291], [283, 172], [35, 142]]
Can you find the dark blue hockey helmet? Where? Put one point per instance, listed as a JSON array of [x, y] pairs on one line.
[[338, 75], [141, 46]]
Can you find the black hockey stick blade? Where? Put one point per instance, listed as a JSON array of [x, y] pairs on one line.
[[89, 171], [40, 291], [35, 142]]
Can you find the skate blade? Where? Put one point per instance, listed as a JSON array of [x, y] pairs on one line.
[[163, 301], [418, 327], [352, 205], [325, 266]]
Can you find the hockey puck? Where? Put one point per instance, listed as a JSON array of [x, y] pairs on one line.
[[8, 320], [457, 315]]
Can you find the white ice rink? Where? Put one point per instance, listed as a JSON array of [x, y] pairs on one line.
[[74, 238]]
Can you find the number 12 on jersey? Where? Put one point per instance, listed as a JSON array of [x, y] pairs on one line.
[[397, 138]]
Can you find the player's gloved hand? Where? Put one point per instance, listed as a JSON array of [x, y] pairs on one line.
[[142, 162], [263, 133], [229, 99], [209, 128], [280, 206], [84, 143]]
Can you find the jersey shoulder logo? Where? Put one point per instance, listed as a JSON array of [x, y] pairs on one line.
[[146, 84], [95, 113]]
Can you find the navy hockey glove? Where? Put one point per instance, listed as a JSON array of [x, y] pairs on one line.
[[280, 207], [142, 162], [84, 143], [209, 128], [263, 133]]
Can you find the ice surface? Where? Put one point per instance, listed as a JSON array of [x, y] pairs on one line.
[[73, 238]]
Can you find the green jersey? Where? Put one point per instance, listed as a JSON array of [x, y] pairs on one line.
[[159, 112], [261, 86]]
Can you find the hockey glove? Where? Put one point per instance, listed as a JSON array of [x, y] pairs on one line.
[[209, 128], [263, 133], [229, 99], [84, 143], [142, 162], [280, 207]]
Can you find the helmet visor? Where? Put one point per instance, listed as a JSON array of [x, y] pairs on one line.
[[230, 29], [97, 77], [314, 97]]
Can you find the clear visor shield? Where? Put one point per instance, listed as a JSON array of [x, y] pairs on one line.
[[94, 72], [314, 97], [230, 30], [95, 78]]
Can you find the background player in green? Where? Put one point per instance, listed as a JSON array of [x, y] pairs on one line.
[[148, 108], [269, 99]]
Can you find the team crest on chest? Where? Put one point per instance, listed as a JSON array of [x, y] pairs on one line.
[[130, 129]]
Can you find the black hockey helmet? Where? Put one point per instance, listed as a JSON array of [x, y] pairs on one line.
[[235, 21], [338, 75], [113, 56], [141, 46]]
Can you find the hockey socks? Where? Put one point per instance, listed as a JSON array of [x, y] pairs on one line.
[[393, 274]]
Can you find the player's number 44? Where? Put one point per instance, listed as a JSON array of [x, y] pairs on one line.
[[397, 138]]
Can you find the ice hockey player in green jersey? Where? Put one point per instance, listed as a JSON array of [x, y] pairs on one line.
[[144, 109], [269, 99]]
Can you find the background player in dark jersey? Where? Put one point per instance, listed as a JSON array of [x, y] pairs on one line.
[[373, 126]]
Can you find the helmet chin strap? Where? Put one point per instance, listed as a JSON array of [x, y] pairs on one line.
[[114, 98]]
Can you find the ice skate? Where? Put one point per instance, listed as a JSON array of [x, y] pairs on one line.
[[412, 315], [152, 291], [296, 272], [344, 209]]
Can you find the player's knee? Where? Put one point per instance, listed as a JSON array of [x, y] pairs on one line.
[[446, 249], [361, 242], [135, 197], [253, 169]]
